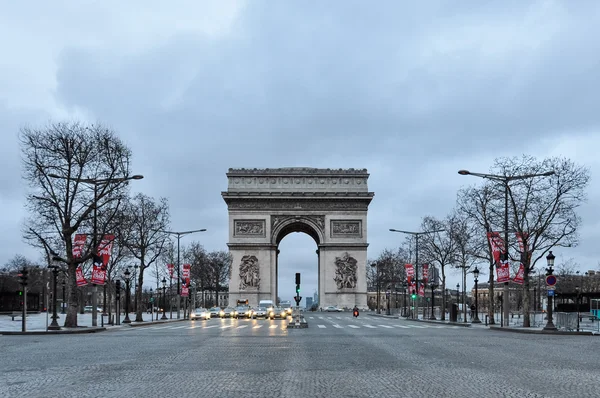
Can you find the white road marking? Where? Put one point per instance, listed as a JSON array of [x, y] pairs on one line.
[[370, 326], [385, 326], [242, 326], [257, 327], [273, 326], [322, 326], [353, 326], [401, 326], [337, 326]]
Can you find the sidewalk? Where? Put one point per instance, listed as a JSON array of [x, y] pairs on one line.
[[36, 323]]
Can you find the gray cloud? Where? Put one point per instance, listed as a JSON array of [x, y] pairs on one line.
[[411, 92]]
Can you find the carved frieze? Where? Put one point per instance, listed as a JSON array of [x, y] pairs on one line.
[[249, 273], [277, 220], [252, 228], [345, 272], [346, 228], [312, 205]]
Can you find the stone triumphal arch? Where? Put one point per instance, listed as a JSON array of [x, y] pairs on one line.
[[329, 205]]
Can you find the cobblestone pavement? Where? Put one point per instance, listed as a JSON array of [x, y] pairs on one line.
[[343, 357]]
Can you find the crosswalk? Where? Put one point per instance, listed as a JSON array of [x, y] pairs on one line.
[[283, 326]]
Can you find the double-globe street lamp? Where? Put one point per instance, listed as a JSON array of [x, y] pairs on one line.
[[127, 278], [96, 182], [416, 235], [505, 180], [55, 269], [376, 264], [476, 278], [549, 271], [179, 235], [164, 289]]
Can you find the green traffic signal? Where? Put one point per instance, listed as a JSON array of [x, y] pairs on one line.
[[413, 296]]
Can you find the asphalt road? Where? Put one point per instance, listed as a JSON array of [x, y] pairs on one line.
[[337, 356]]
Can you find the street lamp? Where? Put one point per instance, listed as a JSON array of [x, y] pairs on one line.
[[164, 289], [404, 286], [550, 260], [179, 235], [376, 264], [476, 277], [95, 183], [433, 286], [151, 305], [62, 309], [416, 235], [127, 277], [577, 298], [505, 180], [54, 325]]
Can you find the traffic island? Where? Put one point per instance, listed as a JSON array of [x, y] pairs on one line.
[[301, 325]]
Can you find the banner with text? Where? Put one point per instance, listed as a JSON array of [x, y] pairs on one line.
[[425, 273], [171, 269], [81, 281], [410, 272], [185, 290], [186, 274], [78, 245], [497, 245], [421, 290], [503, 272], [105, 249], [519, 278], [98, 271]]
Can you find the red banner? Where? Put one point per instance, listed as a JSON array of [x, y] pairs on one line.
[[421, 290], [105, 249], [185, 290], [78, 245], [503, 272], [81, 281], [98, 271], [412, 288], [497, 245], [520, 275], [186, 273], [410, 271], [171, 269], [425, 273]]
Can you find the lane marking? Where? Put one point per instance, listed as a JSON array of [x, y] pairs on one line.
[[401, 326], [417, 326], [211, 326], [322, 326], [226, 326], [370, 326], [337, 326], [257, 327], [242, 326], [273, 326], [385, 326], [354, 326]]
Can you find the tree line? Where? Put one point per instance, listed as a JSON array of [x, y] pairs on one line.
[[541, 211]]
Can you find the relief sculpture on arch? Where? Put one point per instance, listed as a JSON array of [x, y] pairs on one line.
[[249, 273]]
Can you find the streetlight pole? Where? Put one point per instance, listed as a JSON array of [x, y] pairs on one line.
[[577, 298], [404, 286], [417, 235], [505, 181], [179, 235], [376, 264], [54, 325], [457, 300], [127, 276], [135, 295], [476, 277], [550, 261], [164, 289], [62, 309], [95, 183], [433, 286]]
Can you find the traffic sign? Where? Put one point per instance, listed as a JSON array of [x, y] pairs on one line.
[[551, 280], [550, 292]]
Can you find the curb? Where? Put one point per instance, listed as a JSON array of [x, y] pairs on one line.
[[465, 325], [538, 331], [43, 332]]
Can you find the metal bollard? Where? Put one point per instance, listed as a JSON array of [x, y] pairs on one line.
[[486, 320]]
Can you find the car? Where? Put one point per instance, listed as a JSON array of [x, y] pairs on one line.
[[243, 312], [259, 312], [214, 312], [333, 308], [228, 313], [278, 312], [89, 308], [200, 313]]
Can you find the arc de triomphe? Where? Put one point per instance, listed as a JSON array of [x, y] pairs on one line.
[[330, 205]]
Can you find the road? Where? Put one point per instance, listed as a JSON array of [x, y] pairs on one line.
[[337, 356]]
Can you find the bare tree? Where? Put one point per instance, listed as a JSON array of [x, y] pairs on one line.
[[219, 265], [543, 210], [475, 206], [57, 160], [438, 247], [146, 220]]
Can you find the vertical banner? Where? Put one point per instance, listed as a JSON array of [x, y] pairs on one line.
[[171, 269], [519, 278], [186, 280], [425, 273], [105, 249], [98, 271], [81, 281], [421, 290], [503, 272], [413, 287], [497, 245], [78, 245], [185, 290]]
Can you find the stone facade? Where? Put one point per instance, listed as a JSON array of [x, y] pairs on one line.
[[330, 205]]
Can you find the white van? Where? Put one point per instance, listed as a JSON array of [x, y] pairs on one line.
[[268, 304]]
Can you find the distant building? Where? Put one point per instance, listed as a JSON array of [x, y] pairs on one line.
[[315, 298], [309, 302]]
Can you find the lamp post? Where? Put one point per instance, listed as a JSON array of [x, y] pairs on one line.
[[505, 180], [127, 277], [433, 286], [135, 294], [96, 182], [151, 305], [457, 298], [62, 309], [476, 278], [577, 298], [388, 294], [550, 261], [404, 286], [54, 325], [164, 289], [179, 235], [376, 264], [118, 301], [416, 235]]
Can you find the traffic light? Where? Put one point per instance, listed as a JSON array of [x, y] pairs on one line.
[[19, 292], [297, 282], [413, 296]]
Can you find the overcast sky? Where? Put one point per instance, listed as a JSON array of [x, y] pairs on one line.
[[412, 93]]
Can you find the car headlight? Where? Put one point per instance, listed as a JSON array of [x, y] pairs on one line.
[[234, 312], [221, 313]]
